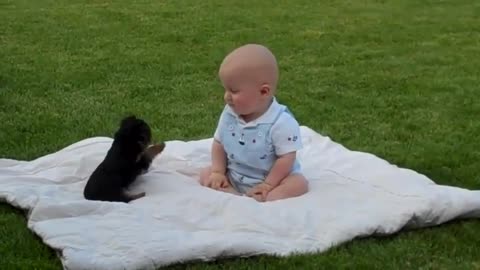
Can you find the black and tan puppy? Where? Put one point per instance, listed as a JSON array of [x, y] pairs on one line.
[[129, 156]]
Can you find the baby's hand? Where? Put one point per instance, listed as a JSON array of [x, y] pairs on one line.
[[260, 191], [217, 181]]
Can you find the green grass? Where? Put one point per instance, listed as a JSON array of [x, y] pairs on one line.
[[397, 78]]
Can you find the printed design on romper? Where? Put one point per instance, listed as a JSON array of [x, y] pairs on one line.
[[230, 128], [241, 141], [293, 138]]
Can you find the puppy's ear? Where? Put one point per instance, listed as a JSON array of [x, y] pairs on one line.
[[128, 119]]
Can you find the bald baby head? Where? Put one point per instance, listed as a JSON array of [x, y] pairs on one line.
[[250, 64]]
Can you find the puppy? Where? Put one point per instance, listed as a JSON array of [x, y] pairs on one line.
[[129, 156]]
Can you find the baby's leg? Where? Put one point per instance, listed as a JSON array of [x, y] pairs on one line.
[[292, 186]]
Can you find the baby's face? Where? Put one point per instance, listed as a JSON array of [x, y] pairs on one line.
[[242, 95]]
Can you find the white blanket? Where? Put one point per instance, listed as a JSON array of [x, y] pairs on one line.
[[352, 194]]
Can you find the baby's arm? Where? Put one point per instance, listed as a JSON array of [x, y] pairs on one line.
[[217, 172], [219, 158], [281, 169], [286, 141]]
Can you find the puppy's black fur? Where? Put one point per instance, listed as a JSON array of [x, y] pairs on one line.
[[129, 156]]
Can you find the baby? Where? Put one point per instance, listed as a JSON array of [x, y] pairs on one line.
[[256, 140]]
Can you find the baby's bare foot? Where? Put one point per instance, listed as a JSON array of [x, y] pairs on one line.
[[230, 190], [258, 197]]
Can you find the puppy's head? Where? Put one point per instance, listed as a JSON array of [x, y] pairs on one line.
[[134, 133]]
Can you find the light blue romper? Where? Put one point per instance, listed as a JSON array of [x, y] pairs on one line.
[[251, 147]]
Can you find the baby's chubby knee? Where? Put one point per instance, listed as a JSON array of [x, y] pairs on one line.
[[300, 183], [292, 186]]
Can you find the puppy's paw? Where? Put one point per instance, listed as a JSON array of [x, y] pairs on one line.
[[153, 150], [136, 196]]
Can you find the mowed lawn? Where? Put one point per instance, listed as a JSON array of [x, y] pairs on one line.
[[396, 78]]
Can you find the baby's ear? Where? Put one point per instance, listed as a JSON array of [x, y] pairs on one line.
[[265, 89]]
